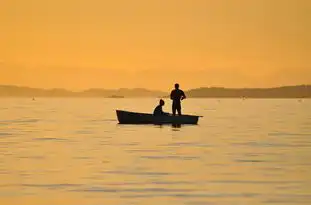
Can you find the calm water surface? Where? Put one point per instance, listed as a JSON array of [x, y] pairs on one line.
[[73, 152]]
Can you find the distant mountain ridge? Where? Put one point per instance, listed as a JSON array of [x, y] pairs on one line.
[[299, 91], [17, 91]]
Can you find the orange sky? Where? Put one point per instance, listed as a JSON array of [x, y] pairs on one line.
[[78, 44]]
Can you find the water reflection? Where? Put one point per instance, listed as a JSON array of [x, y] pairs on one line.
[[176, 125], [76, 155]]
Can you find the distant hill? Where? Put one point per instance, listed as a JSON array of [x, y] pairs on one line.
[[300, 91], [120, 93], [16, 91]]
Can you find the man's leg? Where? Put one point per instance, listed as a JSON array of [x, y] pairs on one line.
[[173, 109], [179, 109]]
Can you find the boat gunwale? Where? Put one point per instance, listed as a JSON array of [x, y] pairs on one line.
[[124, 117], [141, 113]]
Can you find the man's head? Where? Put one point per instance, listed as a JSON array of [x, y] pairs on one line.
[[162, 102], [176, 86]]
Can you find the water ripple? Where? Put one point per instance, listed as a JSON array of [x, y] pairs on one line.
[[171, 157], [283, 134], [134, 190], [49, 139], [142, 173], [193, 195], [252, 182]]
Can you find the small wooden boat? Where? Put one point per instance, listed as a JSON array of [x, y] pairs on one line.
[[126, 117]]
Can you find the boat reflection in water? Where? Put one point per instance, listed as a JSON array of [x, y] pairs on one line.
[[176, 125]]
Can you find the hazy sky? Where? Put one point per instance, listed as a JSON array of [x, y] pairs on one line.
[[79, 44]]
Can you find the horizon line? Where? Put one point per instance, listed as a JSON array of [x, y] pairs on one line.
[[158, 90]]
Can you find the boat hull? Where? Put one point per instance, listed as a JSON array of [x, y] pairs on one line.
[[126, 117]]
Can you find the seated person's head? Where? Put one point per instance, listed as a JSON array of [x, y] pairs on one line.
[[162, 102]]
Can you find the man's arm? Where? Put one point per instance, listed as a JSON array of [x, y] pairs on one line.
[[172, 95]]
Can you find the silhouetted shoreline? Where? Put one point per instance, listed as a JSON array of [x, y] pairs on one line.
[[299, 91]]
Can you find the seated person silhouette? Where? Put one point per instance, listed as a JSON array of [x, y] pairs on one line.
[[158, 110]]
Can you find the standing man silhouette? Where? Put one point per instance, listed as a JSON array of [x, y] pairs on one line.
[[177, 95]]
